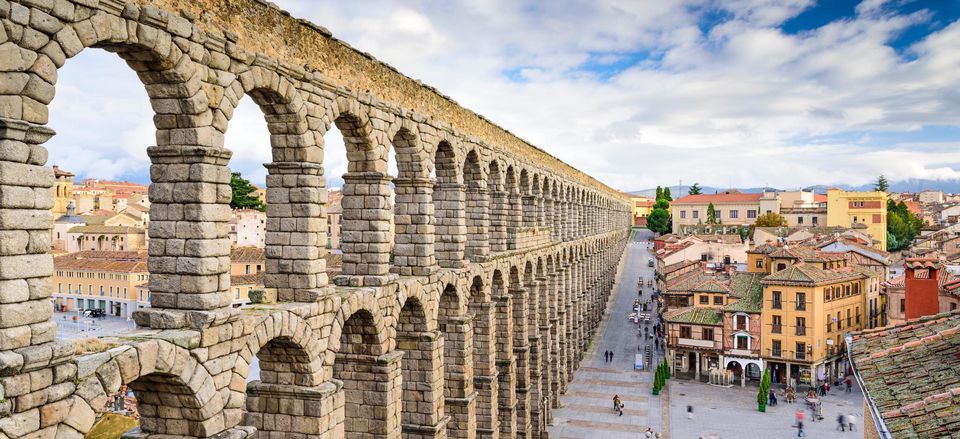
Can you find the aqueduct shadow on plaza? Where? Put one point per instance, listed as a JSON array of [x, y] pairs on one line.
[[469, 325]]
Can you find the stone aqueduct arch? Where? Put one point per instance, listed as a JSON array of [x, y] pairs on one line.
[[502, 258]]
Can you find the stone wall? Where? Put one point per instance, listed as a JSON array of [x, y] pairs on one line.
[[469, 325]]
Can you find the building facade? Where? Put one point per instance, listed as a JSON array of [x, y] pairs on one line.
[[859, 209], [105, 280], [732, 208]]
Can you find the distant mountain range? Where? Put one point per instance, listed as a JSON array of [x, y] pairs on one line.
[[911, 185]]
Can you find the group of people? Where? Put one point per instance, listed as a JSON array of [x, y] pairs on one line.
[[607, 356]]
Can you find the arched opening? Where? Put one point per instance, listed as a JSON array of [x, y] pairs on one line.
[[499, 208], [484, 356], [506, 364], [282, 377], [365, 228], [422, 371], [540, 206], [457, 362], [166, 405], [104, 122], [450, 231], [371, 380], [413, 222], [514, 209], [528, 216], [477, 209], [284, 161]]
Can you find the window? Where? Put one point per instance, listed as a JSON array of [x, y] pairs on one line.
[[718, 213], [59, 287], [718, 300], [801, 326], [236, 291], [826, 294], [759, 263], [801, 350], [801, 301], [813, 220], [248, 269], [683, 214], [903, 305], [781, 266], [704, 299], [706, 334], [858, 315], [839, 322], [799, 220], [696, 214], [751, 214], [776, 350], [685, 332], [740, 323], [734, 214], [743, 342], [776, 325], [849, 321], [777, 303]]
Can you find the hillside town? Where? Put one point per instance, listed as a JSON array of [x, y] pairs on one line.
[[100, 245], [818, 290]]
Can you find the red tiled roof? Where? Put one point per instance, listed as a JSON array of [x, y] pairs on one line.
[[718, 198], [247, 254], [819, 198], [124, 262]]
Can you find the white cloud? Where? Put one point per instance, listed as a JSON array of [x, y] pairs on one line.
[[733, 104]]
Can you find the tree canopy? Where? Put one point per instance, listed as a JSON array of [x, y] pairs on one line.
[[666, 194], [695, 189], [771, 219], [902, 224], [881, 184], [659, 219], [244, 194], [711, 214]]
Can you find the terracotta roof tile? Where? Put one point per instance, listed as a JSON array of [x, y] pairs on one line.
[[247, 254], [695, 315], [911, 373]]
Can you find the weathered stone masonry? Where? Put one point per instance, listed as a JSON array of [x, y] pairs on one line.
[[469, 325]]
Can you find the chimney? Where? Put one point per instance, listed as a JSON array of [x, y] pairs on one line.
[[921, 287]]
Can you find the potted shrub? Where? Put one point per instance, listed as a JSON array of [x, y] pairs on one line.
[[763, 391]]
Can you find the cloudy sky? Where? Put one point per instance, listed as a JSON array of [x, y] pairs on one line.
[[635, 92]]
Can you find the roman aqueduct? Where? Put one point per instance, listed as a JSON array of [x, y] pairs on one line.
[[467, 323]]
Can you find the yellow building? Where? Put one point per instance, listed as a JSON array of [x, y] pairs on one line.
[[867, 210], [62, 191], [106, 280], [807, 308], [642, 206]]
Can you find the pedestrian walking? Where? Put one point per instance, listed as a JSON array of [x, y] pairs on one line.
[[851, 421], [849, 383], [690, 412], [611, 355], [800, 429], [841, 422]]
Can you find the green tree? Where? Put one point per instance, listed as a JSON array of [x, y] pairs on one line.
[[659, 220], [244, 194], [711, 214], [881, 184], [695, 189], [892, 243], [771, 219], [666, 194], [659, 194]]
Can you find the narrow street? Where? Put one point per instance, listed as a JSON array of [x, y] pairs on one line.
[[587, 407]]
